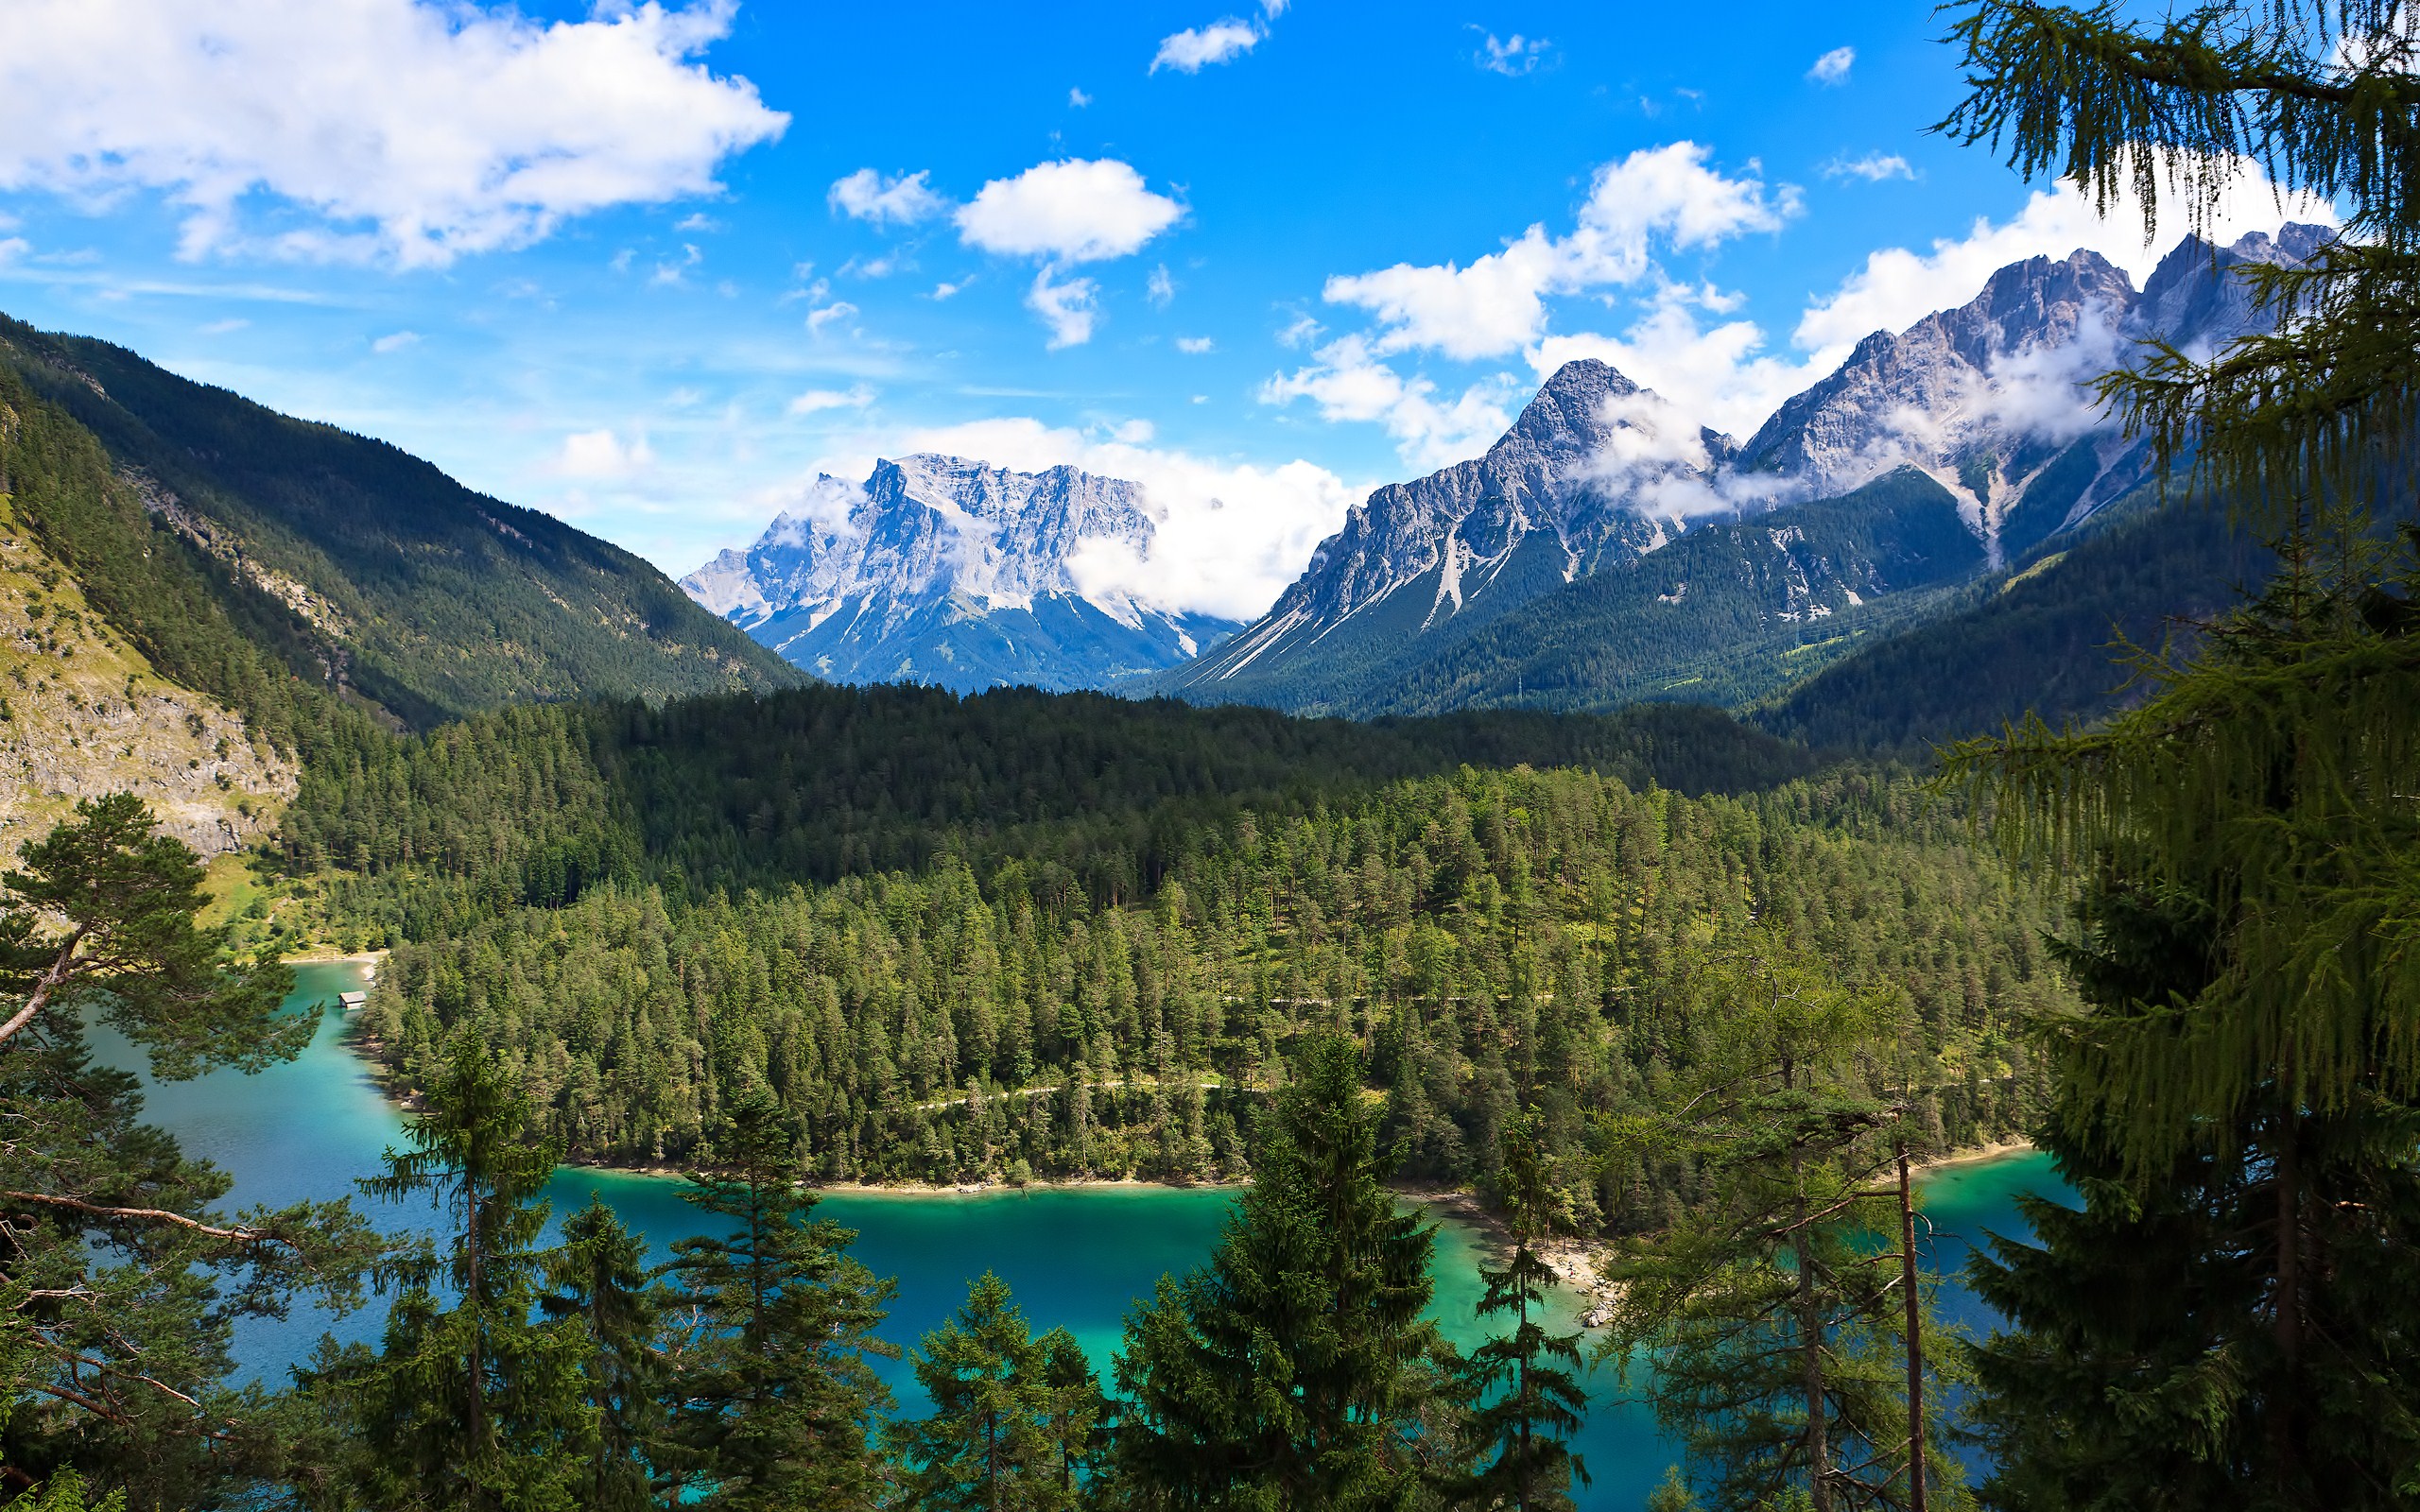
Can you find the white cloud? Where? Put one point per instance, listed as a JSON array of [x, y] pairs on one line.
[[814, 401], [220, 327], [673, 270], [1496, 305], [945, 289], [1073, 211], [1193, 345], [600, 453], [867, 196], [1229, 536], [1873, 167], [406, 131], [1898, 287], [1069, 309], [12, 247], [1833, 67], [1348, 383], [1159, 289], [1078, 99], [1190, 51], [839, 309], [395, 341], [1514, 58]]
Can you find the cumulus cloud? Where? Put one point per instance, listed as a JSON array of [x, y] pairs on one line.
[[1069, 308], [395, 341], [1348, 382], [402, 130], [1159, 289], [1078, 99], [824, 317], [1873, 167], [867, 196], [1073, 211], [1193, 345], [1520, 55], [1898, 287], [1833, 67], [601, 455], [815, 401], [1193, 49], [1496, 305]]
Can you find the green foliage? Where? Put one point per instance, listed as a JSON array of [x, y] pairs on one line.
[[120, 1284], [480, 1404], [1765, 1322], [1087, 793], [417, 594], [65, 1493], [1523, 1387], [104, 909], [2143, 1367], [601, 1283], [1496, 938], [1293, 1369], [776, 1402], [1016, 1420]]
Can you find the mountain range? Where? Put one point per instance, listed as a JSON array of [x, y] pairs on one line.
[[1605, 549], [942, 571], [1602, 551]]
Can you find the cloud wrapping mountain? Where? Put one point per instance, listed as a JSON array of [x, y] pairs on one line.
[[955, 572]]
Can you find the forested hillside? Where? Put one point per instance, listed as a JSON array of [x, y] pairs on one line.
[[351, 562], [1495, 939], [2045, 637], [1092, 795]]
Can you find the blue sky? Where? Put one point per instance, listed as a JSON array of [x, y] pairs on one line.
[[651, 269]]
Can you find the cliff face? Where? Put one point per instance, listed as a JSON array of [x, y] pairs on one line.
[[942, 570]]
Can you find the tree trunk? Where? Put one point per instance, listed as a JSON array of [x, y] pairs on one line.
[[1916, 1338], [2284, 1408], [1810, 1333]]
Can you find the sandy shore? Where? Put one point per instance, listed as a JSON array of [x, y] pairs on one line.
[[2000, 1151]]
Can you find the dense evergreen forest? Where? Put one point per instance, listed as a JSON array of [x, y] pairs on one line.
[[1090, 794], [1019, 934]]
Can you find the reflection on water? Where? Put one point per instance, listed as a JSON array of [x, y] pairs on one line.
[[1075, 1257]]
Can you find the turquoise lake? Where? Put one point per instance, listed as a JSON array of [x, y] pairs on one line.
[[1075, 1257]]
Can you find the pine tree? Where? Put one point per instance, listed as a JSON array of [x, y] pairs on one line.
[[776, 1399], [1294, 1369], [1010, 1423], [602, 1287], [2256, 806], [120, 1282], [1766, 1321], [480, 1403], [1526, 1405]]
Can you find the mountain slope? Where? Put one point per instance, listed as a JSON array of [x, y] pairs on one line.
[[2044, 638], [1428, 562], [367, 569], [1554, 571], [942, 571]]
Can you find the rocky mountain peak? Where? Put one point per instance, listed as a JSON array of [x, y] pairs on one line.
[[951, 570]]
